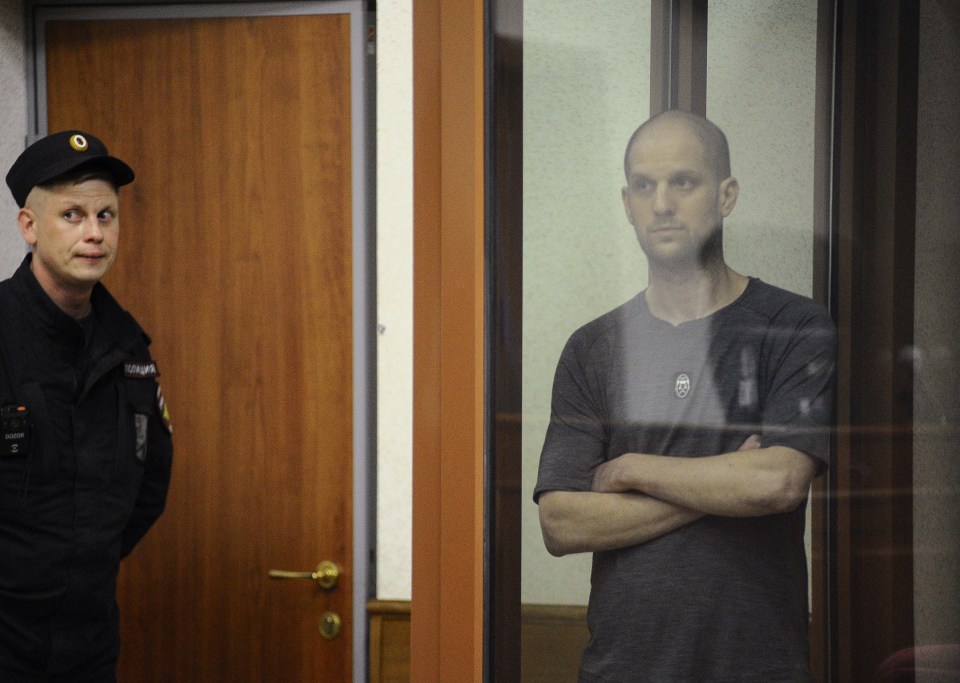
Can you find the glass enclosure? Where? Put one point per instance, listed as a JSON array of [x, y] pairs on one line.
[[571, 82]]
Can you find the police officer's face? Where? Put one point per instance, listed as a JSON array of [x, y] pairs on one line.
[[74, 230], [673, 198]]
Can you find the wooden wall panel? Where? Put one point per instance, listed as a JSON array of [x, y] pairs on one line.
[[389, 632], [551, 639]]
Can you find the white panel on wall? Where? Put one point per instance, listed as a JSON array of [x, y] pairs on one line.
[[394, 298]]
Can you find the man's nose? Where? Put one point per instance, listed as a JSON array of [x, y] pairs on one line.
[[663, 200], [92, 232]]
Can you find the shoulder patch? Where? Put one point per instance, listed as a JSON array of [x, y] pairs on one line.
[[164, 411], [140, 370]]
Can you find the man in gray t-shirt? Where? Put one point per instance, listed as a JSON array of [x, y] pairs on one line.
[[686, 427]]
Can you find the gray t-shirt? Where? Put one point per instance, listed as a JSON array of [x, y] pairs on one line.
[[721, 599]]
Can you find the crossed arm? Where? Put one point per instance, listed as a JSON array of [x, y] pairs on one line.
[[638, 497]]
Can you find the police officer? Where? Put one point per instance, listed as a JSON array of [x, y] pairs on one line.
[[86, 438]]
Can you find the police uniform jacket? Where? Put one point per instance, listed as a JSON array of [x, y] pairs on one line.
[[86, 479]]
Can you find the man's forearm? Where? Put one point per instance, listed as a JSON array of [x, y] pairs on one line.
[[586, 521], [746, 483]]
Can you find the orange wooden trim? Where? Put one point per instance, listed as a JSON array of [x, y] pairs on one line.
[[388, 607], [425, 589], [447, 595]]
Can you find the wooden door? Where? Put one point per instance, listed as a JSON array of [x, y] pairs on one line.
[[235, 255]]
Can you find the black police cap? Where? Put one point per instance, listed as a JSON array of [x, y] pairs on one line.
[[57, 154]]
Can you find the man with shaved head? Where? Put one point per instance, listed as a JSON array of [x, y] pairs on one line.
[[686, 427], [712, 140]]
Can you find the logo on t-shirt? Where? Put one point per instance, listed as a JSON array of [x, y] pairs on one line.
[[682, 385]]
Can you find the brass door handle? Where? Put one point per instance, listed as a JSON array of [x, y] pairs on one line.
[[327, 575]]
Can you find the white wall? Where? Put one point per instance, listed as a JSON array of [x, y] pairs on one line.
[[13, 127], [394, 297]]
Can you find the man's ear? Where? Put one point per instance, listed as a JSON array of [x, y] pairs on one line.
[[729, 190], [626, 204], [27, 221]]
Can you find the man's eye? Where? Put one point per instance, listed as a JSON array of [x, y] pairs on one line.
[[105, 216], [641, 185], [71, 215], [684, 183]]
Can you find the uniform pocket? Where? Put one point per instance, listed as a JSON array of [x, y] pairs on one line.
[[32, 473]]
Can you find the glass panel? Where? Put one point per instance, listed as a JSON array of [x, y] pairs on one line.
[[586, 84], [585, 88], [761, 90], [936, 352]]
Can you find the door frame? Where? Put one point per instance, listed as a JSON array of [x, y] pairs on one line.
[[363, 69]]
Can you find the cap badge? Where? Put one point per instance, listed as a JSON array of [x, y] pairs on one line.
[[79, 143]]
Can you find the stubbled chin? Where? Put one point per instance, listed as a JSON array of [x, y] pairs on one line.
[[103, 261], [90, 271]]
